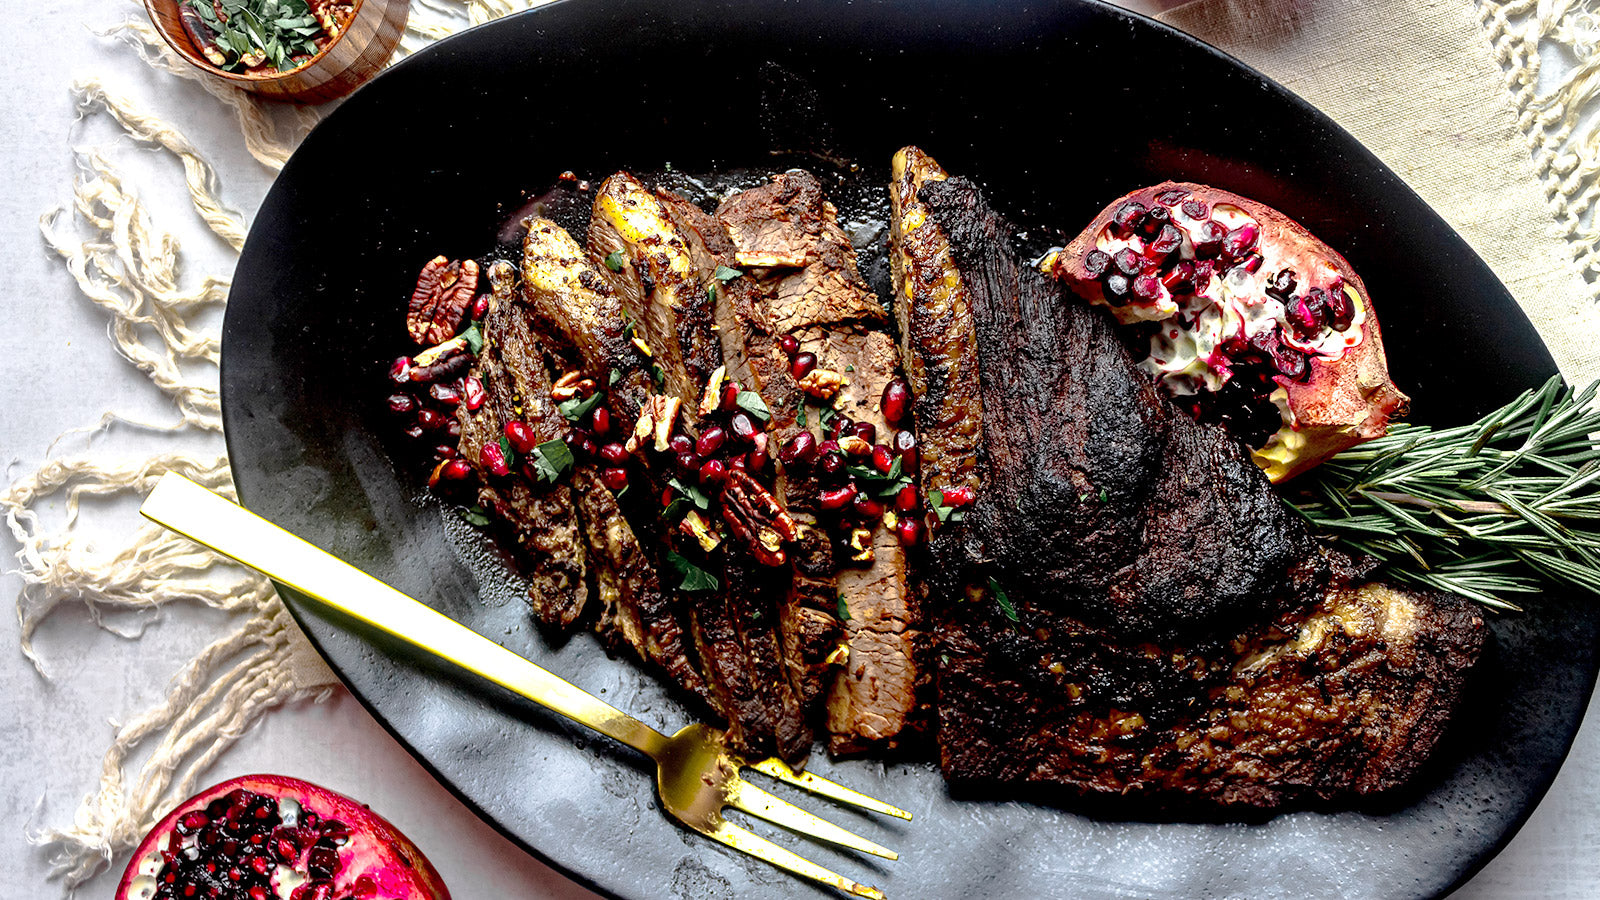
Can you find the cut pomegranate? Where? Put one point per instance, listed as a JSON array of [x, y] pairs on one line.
[[267, 836], [1251, 321]]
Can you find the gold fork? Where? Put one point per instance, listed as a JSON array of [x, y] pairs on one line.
[[696, 775]]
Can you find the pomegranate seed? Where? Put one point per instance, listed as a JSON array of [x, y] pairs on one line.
[[415, 432], [1165, 243], [711, 440], [827, 447], [480, 306], [493, 460], [1240, 240], [756, 460], [600, 420], [1128, 262], [867, 508], [789, 344], [400, 370], [453, 428], [907, 500], [840, 425], [189, 823], [730, 397], [614, 478], [1096, 264], [520, 436], [401, 404], [866, 431], [1172, 197], [444, 393], [456, 470], [615, 454], [802, 365], [832, 464], [1251, 263], [1117, 286], [444, 451], [689, 462], [1147, 288], [802, 449], [960, 496], [431, 420], [587, 447], [1208, 239], [909, 531], [712, 472], [1196, 209], [1127, 215], [837, 497], [883, 459], [472, 392], [738, 462], [743, 427], [896, 401], [1340, 310], [666, 497], [905, 447], [1180, 278], [680, 444], [1154, 220]]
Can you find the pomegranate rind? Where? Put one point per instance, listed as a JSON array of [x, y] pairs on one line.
[[397, 869], [1343, 401]]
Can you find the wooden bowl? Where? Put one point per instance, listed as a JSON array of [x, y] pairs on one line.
[[356, 55]]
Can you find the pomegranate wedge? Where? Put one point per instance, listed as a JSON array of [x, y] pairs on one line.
[[1246, 318]]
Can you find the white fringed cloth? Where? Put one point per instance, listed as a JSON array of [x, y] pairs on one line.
[[1449, 93]]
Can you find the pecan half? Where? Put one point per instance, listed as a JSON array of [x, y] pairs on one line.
[[655, 418], [444, 292], [756, 519], [823, 384], [712, 398]]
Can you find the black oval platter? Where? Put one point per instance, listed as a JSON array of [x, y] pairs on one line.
[[1056, 108]]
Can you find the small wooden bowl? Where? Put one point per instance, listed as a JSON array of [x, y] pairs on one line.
[[356, 55]]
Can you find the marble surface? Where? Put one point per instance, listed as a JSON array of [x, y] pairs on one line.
[[64, 374]]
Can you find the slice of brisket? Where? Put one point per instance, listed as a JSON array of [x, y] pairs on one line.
[[1131, 610], [802, 281], [537, 515]]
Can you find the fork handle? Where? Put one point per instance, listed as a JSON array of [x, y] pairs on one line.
[[207, 518]]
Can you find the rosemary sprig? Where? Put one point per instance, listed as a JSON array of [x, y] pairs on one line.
[[1485, 510]]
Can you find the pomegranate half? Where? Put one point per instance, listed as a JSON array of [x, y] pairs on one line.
[[1248, 319], [268, 837]]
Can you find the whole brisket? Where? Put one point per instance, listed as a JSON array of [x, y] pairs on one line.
[[1129, 609]]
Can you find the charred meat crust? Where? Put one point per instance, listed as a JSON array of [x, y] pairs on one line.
[[538, 517], [1178, 636], [1096, 489]]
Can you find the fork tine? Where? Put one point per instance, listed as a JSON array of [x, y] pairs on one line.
[[818, 785], [758, 802], [761, 848]]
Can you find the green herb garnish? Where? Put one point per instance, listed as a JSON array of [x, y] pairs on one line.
[[1000, 598], [506, 451], [616, 376], [751, 402], [474, 338], [844, 609], [552, 459], [658, 374], [694, 577], [725, 274], [877, 483], [692, 492], [578, 407], [475, 516], [944, 512], [613, 260]]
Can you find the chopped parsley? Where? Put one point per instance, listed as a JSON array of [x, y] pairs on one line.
[[616, 376], [692, 492], [474, 338], [578, 407], [614, 260], [1000, 597], [552, 459], [751, 402], [725, 274], [475, 516], [694, 577], [879, 484], [844, 610]]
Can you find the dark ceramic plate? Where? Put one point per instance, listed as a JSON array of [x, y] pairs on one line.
[[1056, 108]]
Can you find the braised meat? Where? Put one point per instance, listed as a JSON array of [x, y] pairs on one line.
[[658, 263], [538, 515], [1136, 613], [803, 283]]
